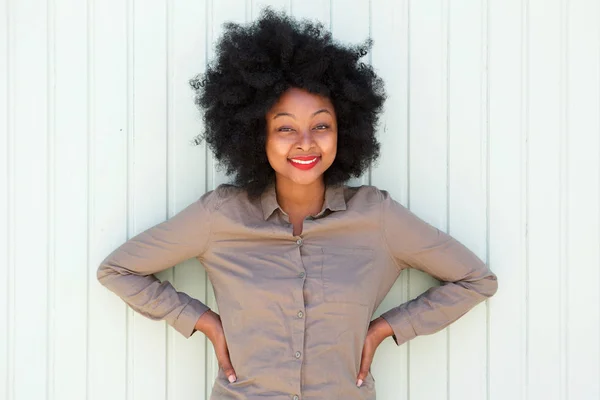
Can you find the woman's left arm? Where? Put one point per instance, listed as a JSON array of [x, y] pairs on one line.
[[466, 279]]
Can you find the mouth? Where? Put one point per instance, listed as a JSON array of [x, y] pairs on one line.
[[304, 163]]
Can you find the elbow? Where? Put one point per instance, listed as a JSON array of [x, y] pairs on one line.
[[101, 273], [104, 272], [482, 288], [488, 286]]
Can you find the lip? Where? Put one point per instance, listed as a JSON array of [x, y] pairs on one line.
[[305, 162]]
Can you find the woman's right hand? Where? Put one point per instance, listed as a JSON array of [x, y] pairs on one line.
[[209, 323]]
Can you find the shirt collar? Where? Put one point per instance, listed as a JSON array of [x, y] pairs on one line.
[[334, 200]]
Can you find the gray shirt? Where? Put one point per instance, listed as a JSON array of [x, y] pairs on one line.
[[295, 309]]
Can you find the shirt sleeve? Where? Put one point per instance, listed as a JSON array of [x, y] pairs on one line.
[[129, 270], [466, 279]]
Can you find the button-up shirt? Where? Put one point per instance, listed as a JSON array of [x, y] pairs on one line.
[[295, 309]]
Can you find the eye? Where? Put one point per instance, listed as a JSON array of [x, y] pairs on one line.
[[285, 129], [322, 127]]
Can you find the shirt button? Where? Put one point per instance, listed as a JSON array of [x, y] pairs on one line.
[[301, 275], [298, 354], [296, 397], [299, 242], [300, 314]]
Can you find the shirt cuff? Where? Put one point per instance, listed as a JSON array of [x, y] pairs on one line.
[[399, 320], [186, 321]]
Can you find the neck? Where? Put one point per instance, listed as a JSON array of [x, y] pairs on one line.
[[297, 199]]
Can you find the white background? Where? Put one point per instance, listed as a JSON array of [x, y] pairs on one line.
[[491, 133]]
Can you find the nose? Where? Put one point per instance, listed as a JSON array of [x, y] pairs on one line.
[[305, 140]]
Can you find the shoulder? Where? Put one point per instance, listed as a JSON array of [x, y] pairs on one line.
[[373, 200], [227, 192], [221, 195], [365, 195]]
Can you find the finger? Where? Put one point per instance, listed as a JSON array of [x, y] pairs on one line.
[[225, 362], [365, 364]]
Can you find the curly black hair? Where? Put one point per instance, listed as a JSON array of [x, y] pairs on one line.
[[255, 64]]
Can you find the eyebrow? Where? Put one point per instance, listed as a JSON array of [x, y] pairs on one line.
[[281, 114]]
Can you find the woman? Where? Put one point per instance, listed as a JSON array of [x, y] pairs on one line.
[[298, 261]]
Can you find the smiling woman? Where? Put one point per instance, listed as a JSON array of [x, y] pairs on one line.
[[242, 91], [301, 144], [299, 261], [302, 133]]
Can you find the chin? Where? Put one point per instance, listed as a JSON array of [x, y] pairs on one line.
[[304, 178], [306, 181]]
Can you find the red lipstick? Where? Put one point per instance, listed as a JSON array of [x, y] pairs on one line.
[[304, 162]]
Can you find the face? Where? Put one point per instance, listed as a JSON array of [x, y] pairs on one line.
[[301, 136]]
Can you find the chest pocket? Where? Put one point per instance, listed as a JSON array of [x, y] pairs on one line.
[[347, 275]]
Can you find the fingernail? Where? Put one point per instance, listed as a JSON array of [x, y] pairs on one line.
[[359, 383], [232, 378]]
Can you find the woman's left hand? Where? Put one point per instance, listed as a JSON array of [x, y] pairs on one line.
[[379, 329]]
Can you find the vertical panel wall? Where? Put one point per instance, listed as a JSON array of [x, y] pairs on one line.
[[110, 119], [580, 197], [31, 140], [491, 132], [390, 58], [507, 195], [467, 182]]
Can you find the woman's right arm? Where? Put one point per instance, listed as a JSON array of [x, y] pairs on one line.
[[129, 270]]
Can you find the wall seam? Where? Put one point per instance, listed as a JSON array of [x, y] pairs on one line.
[[10, 292], [598, 221], [563, 205], [408, 186], [525, 184], [208, 37], [50, 192], [486, 131], [169, 127], [370, 55], [130, 193], [90, 176], [446, 14]]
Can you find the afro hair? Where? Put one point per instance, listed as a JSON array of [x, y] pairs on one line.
[[254, 64]]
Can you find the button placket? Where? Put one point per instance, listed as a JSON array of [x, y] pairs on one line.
[[297, 316]]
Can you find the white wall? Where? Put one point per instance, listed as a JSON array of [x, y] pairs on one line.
[[491, 132]]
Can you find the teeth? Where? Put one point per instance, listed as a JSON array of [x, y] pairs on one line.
[[304, 162]]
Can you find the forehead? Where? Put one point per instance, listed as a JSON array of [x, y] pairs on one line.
[[300, 99]]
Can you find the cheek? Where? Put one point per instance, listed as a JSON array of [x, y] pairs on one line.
[[329, 145], [276, 150]]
